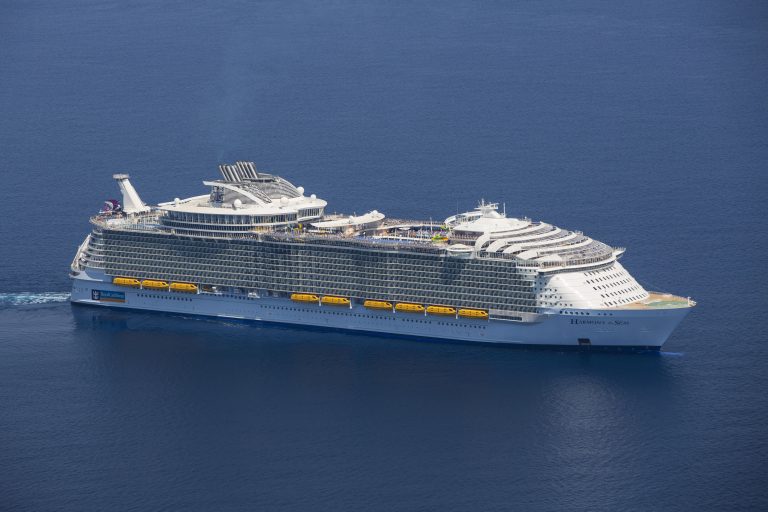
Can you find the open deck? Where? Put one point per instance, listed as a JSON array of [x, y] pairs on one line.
[[658, 300]]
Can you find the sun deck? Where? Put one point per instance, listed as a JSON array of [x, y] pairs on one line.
[[658, 300]]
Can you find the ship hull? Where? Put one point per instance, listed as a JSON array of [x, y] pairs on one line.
[[587, 329]]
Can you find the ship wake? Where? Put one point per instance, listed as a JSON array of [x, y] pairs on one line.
[[24, 298]]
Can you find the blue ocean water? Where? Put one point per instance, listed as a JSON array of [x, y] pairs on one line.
[[644, 125]]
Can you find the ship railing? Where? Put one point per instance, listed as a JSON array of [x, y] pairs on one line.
[[79, 259], [390, 222], [133, 221], [364, 242], [569, 261], [510, 257]]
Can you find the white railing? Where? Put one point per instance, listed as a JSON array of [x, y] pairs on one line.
[[77, 262]]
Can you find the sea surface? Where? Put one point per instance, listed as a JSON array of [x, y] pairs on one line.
[[644, 124]]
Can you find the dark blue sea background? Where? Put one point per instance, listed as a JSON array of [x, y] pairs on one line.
[[644, 124]]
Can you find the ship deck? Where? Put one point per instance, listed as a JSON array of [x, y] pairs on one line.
[[658, 300]]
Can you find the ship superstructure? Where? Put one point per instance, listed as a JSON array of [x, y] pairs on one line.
[[256, 247]]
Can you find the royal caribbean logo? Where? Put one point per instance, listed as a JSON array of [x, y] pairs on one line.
[[107, 296]]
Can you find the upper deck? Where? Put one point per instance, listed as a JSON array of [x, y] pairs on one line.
[[249, 204]]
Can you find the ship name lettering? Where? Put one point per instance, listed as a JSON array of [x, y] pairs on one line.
[[579, 321]]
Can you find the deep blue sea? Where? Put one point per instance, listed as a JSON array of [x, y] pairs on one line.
[[644, 124]]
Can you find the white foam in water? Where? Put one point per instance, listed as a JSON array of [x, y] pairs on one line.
[[21, 298]]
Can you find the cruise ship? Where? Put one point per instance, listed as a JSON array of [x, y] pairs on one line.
[[258, 248]]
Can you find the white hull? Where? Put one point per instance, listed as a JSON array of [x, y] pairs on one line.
[[595, 328]]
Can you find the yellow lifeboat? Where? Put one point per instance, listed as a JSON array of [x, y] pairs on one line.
[[377, 304], [304, 297], [126, 281], [154, 285], [335, 301], [184, 287], [406, 307], [474, 313], [441, 310]]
